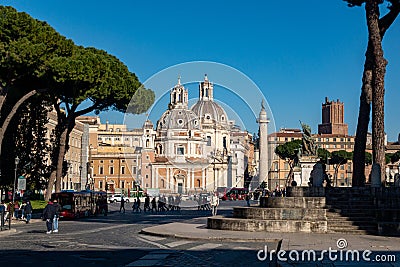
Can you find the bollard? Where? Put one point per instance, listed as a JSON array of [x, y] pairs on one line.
[[2, 220]]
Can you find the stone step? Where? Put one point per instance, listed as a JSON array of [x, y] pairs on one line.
[[353, 232], [252, 225], [352, 227], [296, 202], [279, 213], [352, 224], [350, 213], [331, 218]]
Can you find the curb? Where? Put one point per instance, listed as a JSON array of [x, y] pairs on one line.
[[216, 238]]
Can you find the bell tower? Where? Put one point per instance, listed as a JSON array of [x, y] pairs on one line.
[[178, 96], [206, 89]]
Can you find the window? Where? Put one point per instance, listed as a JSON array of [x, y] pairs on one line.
[[123, 160], [147, 176], [162, 183], [275, 166], [122, 184], [180, 150], [286, 166], [197, 183], [101, 170], [111, 161], [101, 161], [334, 139], [100, 184], [326, 139], [134, 169], [342, 167], [286, 139], [122, 169], [208, 140], [111, 170]]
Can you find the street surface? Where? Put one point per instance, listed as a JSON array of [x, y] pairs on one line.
[[115, 240]]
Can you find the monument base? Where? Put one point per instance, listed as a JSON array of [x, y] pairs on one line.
[[302, 176]]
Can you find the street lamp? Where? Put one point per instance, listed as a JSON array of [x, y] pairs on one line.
[[15, 177], [105, 185], [80, 177]]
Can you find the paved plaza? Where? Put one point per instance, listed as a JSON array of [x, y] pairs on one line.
[[173, 239]]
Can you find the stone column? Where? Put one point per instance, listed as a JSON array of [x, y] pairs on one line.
[[263, 143], [168, 178]]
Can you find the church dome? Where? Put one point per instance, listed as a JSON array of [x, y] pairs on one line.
[[178, 119], [210, 112]]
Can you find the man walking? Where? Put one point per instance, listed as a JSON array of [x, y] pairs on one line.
[[57, 209], [122, 207], [214, 203], [28, 211], [48, 215]]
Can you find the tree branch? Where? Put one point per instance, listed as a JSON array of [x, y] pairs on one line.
[[386, 21]]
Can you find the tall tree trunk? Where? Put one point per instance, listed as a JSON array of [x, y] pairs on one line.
[[385, 22], [360, 141], [64, 138], [50, 185], [378, 89]]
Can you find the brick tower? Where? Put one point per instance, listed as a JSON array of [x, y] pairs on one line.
[[333, 118]]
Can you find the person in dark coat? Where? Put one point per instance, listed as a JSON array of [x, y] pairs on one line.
[[122, 206], [48, 215], [28, 211]]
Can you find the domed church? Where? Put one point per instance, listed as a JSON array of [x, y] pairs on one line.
[[198, 149]]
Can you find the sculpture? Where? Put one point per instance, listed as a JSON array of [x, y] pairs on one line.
[[309, 147]]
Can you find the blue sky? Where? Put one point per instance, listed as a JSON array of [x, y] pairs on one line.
[[296, 52]]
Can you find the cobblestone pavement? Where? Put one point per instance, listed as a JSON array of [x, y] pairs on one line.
[[114, 240]]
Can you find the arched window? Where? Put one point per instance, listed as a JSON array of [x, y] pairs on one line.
[[162, 183], [198, 183]]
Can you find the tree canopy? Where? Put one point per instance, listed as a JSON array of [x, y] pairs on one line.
[[33, 55]]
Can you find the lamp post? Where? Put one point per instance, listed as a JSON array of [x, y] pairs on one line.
[[80, 177], [15, 177], [105, 185]]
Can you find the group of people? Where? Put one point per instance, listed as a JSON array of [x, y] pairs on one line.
[[169, 203], [16, 210], [51, 215]]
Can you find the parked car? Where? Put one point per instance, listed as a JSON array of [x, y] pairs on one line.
[[117, 198]]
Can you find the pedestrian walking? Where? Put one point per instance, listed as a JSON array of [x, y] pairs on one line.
[[16, 209], [28, 211], [22, 209], [139, 209], [2, 211], [57, 208], [122, 206], [146, 204], [134, 206], [48, 215], [153, 205], [214, 203]]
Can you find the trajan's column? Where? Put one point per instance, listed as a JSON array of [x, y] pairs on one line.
[[263, 145]]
